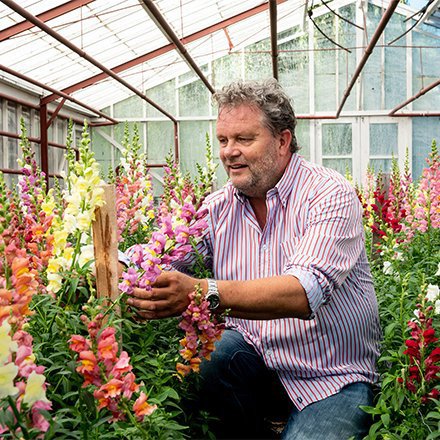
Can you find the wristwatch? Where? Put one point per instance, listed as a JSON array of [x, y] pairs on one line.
[[212, 295]]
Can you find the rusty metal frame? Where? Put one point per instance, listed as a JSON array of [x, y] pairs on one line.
[[58, 92], [368, 51], [44, 16], [165, 28], [413, 98], [40, 24], [273, 37], [222, 25]]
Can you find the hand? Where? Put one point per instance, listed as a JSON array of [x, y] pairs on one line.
[[168, 297]]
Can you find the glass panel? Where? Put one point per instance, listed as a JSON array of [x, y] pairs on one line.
[[426, 60], [2, 103], [303, 137], [373, 69], [12, 118], [395, 63], [193, 99], [13, 149], [424, 130], [129, 108], [325, 64], [191, 76], [221, 175], [3, 153], [381, 165], [341, 165], [165, 96], [293, 70], [26, 115], [336, 139], [346, 60], [56, 160], [36, 126], [226, 69], [383, 139], [102, 148], [258, 61], [37, 149], [160, 140], [192, 144]]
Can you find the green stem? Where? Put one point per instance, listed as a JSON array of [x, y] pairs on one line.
[[114, 303], [19, 419], [134, 421]]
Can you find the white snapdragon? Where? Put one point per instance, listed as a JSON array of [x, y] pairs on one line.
[[432, 293], [388, 268]]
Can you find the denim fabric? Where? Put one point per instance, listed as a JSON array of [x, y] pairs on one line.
[[242, 392], [337, 417]]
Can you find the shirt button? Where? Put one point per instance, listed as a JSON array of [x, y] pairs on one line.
[[269, 353], [264, 247]]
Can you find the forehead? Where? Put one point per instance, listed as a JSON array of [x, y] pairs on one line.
[[241, 117]]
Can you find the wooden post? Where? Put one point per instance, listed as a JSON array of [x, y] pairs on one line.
[[105, 243]]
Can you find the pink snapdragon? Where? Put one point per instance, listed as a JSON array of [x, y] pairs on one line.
[[202, 329], [107, 372], [21, 380]]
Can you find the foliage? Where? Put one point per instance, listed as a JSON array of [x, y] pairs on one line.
[[71, 365], [402, 223]]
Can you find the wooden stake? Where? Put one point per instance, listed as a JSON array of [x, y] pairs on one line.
[[105, 243]]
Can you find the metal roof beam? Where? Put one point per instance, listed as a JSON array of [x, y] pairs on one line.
[[165, 28], [57, 92], [273, 37], [164, 49], [369, 50], [413, 98], [14, 6], [45, 16]]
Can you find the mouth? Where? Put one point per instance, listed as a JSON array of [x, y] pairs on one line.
[[236, 167]]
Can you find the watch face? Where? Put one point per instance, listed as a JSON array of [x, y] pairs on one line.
[[214, 301]]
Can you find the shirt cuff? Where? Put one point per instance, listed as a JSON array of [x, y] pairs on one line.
[[124, 259], [311, 286]]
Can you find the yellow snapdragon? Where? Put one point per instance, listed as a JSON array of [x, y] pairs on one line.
[[35, 391]]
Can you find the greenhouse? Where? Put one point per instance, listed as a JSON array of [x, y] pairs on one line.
[[220, 219]]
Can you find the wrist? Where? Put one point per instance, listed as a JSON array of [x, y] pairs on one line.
[[212, 294]]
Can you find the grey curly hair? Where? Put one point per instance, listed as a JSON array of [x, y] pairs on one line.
[[269, 97]]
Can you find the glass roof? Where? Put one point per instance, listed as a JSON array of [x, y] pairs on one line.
[[115, 32]]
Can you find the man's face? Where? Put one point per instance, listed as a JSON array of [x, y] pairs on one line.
[[253, 158]]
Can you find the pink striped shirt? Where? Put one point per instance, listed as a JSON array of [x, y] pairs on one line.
[[314, 232]]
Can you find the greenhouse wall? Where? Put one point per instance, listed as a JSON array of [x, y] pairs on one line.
[[315, 73], [17, 103]]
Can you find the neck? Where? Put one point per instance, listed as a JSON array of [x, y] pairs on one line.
[[260, 209]]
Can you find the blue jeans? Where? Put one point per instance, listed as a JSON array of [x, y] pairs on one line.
[[242, 392]]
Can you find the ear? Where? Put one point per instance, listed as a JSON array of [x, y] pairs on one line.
[[285, 139]]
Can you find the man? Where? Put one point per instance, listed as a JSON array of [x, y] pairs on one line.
[[286, 246]]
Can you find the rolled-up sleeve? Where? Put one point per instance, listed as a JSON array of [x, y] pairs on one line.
[[324, 255]]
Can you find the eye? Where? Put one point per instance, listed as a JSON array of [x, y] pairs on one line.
[[222, 141], [244, 140]]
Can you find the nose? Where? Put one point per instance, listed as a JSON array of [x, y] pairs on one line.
[[230, 149]]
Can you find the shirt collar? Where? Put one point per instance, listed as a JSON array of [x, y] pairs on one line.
[[283, 187], [285, 184]]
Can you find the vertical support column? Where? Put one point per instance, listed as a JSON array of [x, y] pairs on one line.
[[176, 142], [44, 145], [105, 243], [273, 37]]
